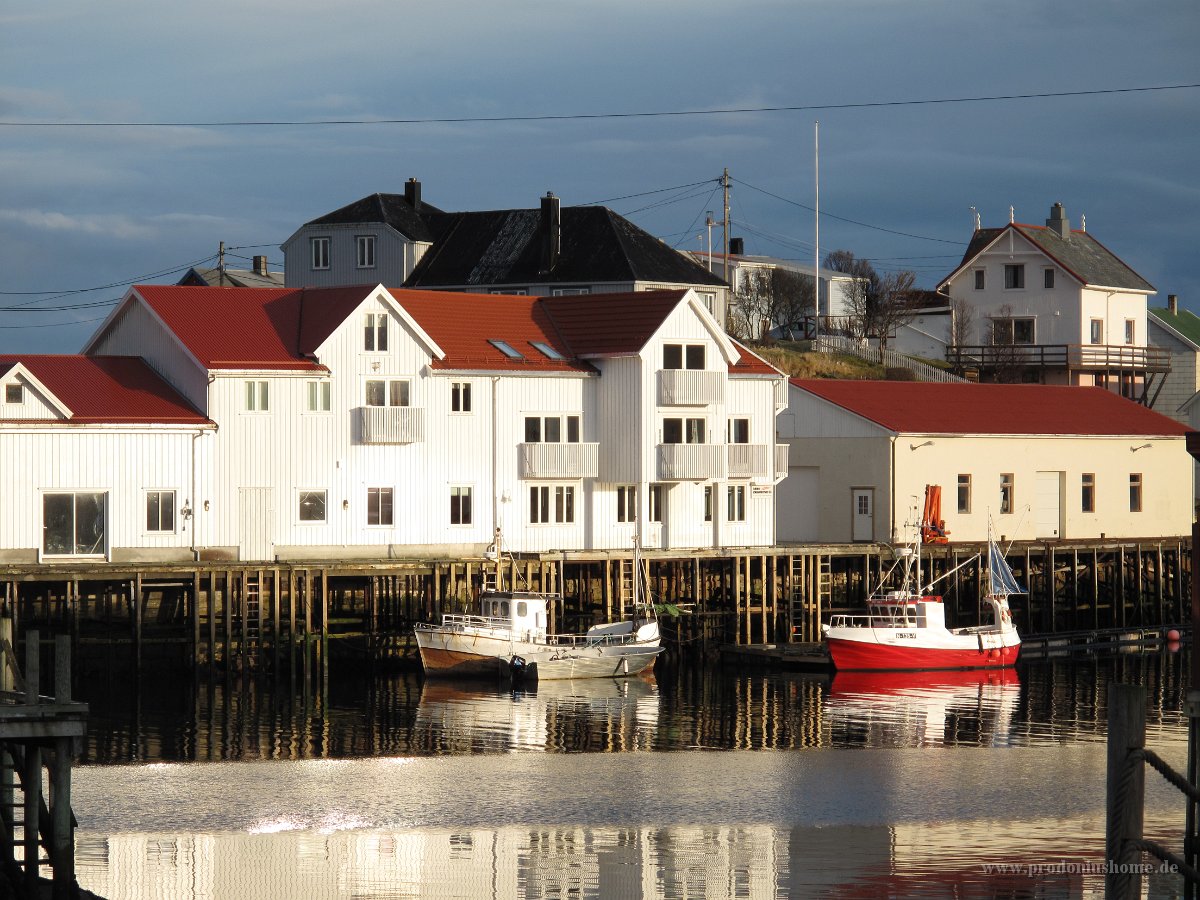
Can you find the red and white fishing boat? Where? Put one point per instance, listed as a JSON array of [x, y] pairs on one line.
[[906, 628]]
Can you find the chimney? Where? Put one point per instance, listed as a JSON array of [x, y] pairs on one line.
[[1173, 304], [551, 228], [1058, 221], [412, 193], [737, 246], [260, 266]]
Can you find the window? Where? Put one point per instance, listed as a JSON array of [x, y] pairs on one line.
[[320, 252], [658, 502], [708, 502], [318, 396], [460, 396], [683, 356], [1097, 331], [511, 292], [1135, 491], [460, 506], [364, 245], [551, 429], [1087, 501], [964, 494], [507, 349], [375, 332], [736, 497], [160, 510], [570, 291], [552, 503], [1014, 277], [258, 397], [312, 506], [709, 299], [1047, 278], [739, 431], [1006, 493], [379, 506], [627, 503], [73, 524], [683, 431], [14, 393], [980, 281], [387, 393], [1012, 331], [1130, 325], [1022, 331], [546, 350]]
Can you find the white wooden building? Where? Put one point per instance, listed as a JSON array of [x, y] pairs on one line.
[[1043, 462], [362, 422]]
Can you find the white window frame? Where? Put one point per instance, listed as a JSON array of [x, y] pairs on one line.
[[980, 279], [963, 498], [1087, 492], [311, 494], [1096, 331], [317, 396], [397, 392], [460, 397], [379, 493], [735, 503], [658, 503], [733, 426], [570, 291], [319, 250], [686, 356], [257, 396], [174, 514], [686, 429], [375, 333], [1008, 493], [1137, 492], [106, 524], [627, 508], [364, 251], [457, 493], [14, 393], [552, 504], [1014, 276], [564, 422], [1048, 278], [1130, 330]]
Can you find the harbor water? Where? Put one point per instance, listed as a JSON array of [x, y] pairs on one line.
[[691, 783]]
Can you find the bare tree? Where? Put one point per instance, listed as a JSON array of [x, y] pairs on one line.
[[750, 304], [793, 294], [1006, 358], [878, 304], [893, 306], [769, 297], [962, 327]]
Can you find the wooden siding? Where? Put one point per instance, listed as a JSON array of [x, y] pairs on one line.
[[33, 404], [395, 257]]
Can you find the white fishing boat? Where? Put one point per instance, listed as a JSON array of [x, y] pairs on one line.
[[509, 636], [906, 628]]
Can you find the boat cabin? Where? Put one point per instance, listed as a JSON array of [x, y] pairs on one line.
[[904, 609], [522, 613]]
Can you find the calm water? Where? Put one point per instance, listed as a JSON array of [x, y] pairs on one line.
[[693, 783]]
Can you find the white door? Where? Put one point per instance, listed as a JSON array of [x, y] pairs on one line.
[[797, 518], [256, 518], [1048, 503], [862, 514]]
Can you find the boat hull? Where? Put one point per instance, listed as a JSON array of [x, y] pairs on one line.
[[617, 662], [859, 654]]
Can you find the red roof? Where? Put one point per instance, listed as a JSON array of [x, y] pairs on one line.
[[107, 389], [932, 408], [604, 324]]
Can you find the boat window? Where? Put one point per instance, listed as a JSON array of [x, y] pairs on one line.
[[503, 607], [522, 609]]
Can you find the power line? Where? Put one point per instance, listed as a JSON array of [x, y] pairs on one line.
[[567, 117], [678, 187], [41, 295]]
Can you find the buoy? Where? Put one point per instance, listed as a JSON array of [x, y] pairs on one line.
[[1173, 646], [1173, 635]]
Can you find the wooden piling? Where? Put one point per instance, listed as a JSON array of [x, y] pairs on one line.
[[1126, 789]]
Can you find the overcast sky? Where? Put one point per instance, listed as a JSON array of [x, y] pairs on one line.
[[99, 207]]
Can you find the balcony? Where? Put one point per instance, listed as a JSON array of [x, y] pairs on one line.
[[1075, 357], [690, 387], [391, 424], [749, 460], [691, 462], [558, 460]]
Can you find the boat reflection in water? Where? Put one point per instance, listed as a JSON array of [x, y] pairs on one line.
[[615, 714], [920, 709]]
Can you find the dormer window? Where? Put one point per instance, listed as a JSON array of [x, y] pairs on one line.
[[14, 393]]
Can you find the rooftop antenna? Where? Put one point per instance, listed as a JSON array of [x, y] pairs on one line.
[[1083, 223], [975, 217], [1012, 215]]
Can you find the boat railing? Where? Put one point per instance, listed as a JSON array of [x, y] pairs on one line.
[[877, 620], [502, 627]]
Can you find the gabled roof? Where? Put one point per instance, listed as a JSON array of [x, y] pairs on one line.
[[393, 210], [252, 328], [909, 407], [506, 247], [107, 389], [1084, 257], [203, 276], [1185, 324]]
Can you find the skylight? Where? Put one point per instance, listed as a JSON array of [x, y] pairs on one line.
[[547, 351], [507, 349]]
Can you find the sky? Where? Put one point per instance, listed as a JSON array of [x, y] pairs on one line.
[[115, 167]]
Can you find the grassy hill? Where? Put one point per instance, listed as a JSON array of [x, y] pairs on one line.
[[797, 363]]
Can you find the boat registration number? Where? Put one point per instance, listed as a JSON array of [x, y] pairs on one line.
[[910, 635]]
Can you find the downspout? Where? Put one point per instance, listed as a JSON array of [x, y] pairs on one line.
[[495, 468], [194, 504], [892, 492]]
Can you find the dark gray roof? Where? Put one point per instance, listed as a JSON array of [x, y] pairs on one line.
[[506, 247], [1080, 254], [199, 276], [393, 210]]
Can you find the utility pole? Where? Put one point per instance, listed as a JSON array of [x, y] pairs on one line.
[[221, 264], [725, 221]]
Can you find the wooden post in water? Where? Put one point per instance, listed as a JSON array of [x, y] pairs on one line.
[[1126, 785], [62, 843], [32, 779]]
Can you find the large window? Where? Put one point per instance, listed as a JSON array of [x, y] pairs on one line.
[[964, 494], [1087, 502], [258, 396], [460, 505], [160, 510], [627, 503], [1006, 493], [375, 332], [320, 252], [379, 506], [736, 503], [1135, 491], [552, 504], [312, 506], [1012, 331], [1014, 277], [552, 429], [387, 393], [73, 524], [365, 247], [739, 431], [683, 431], [683, 356], [318, 396], [460, 396]]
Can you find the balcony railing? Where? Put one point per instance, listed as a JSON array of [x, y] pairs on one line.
[[781, 460], [559, 460], [1098, 357], [781, 393], [691, 462], [391, 424], [748, 460], [690, 387]]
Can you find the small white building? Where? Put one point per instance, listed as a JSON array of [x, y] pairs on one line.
[[362, 422], [1041, 462]]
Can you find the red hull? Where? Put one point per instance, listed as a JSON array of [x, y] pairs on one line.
[[859, 655]]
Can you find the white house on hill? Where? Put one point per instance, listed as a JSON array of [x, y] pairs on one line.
[[1042, 462]]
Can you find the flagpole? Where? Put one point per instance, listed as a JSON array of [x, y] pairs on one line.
[[816, 232]]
